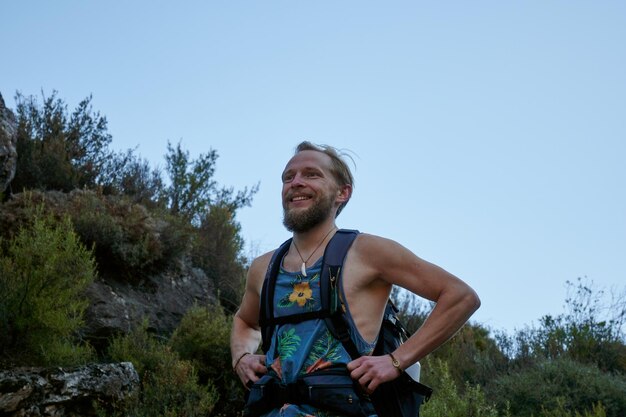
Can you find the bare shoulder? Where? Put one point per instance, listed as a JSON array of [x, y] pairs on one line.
[[369, 241], [393, 263], [379, 252], [249, 309], [260, 263], [373, 259], [256, 272]]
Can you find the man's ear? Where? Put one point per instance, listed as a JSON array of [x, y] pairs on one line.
[[344, 193]]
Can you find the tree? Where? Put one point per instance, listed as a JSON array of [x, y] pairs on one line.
[[57, 151], [128, 174], [192, 190], [194, 195]]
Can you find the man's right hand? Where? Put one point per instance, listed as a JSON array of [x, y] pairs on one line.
[[250, 368]]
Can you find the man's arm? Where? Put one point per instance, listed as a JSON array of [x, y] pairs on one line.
[[455, 303], [246, 334]]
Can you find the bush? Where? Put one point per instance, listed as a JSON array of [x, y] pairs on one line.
[[169, 385], [447, 401], [590, 331], [560, 411], [44, 270], [203, 337], [472, 355], [546, 383], [128, 174], [124, 234], [129, 241], [216, 251]]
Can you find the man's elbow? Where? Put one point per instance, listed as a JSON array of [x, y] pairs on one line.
[[472, 300]]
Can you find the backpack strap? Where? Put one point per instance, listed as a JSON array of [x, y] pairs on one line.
[[337, 322], [267, 294], [334, 256]]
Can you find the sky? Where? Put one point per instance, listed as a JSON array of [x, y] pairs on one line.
[[488, 137]]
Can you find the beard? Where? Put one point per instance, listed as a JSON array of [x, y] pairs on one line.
[[300, 221]]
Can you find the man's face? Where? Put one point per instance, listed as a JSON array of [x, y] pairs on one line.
[[309, 191]]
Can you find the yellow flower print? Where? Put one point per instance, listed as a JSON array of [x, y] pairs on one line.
[[301, 293]]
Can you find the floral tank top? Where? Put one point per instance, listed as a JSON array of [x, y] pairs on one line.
[[301, 348]]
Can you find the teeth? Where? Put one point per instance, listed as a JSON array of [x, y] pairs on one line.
[[300, 198]]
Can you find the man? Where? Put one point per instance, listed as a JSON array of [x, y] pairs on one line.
[[317, 184]]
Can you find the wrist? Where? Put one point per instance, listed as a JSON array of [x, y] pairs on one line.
[[395, 363], [239, 359]]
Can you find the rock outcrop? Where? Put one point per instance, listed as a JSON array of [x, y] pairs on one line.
[[71, 392], [8, 141], [118, 307]]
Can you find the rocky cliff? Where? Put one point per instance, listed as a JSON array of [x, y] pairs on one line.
[[8, 140], [118, 307]]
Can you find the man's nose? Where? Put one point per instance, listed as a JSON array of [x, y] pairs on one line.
[[298, 181]]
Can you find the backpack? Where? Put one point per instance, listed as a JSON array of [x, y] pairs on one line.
[[401, 397]]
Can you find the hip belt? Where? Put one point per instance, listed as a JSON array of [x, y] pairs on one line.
[[331, 390]]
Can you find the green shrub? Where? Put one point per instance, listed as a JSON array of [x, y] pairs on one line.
[[472, 355], [169, 385], [591, 331], [126, 173], [44, 270], [176, 237], [543, 384], [203, 337], [447, 401], [597, 410], [124, 234], [216, 250], [128, 240]]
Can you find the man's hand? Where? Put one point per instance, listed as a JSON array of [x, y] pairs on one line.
[[250, 368], [371, 371]]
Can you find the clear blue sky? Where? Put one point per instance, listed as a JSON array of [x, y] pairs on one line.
[[489, 137]]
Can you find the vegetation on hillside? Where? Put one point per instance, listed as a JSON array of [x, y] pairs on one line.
[[43, 271], [136, 218], [79, 209]]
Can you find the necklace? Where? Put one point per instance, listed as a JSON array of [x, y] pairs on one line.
[[303, 267]]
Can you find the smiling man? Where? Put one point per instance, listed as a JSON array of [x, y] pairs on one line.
[[317, 184]]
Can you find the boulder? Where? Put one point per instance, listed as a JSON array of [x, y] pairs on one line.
[[8, 143], [65, 391]]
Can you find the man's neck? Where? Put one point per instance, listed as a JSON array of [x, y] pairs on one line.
[[308, 240]]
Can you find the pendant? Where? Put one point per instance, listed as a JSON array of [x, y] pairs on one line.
[[303, 269]]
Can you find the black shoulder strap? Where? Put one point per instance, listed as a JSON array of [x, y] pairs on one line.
[[267, 294], [334, 256]]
